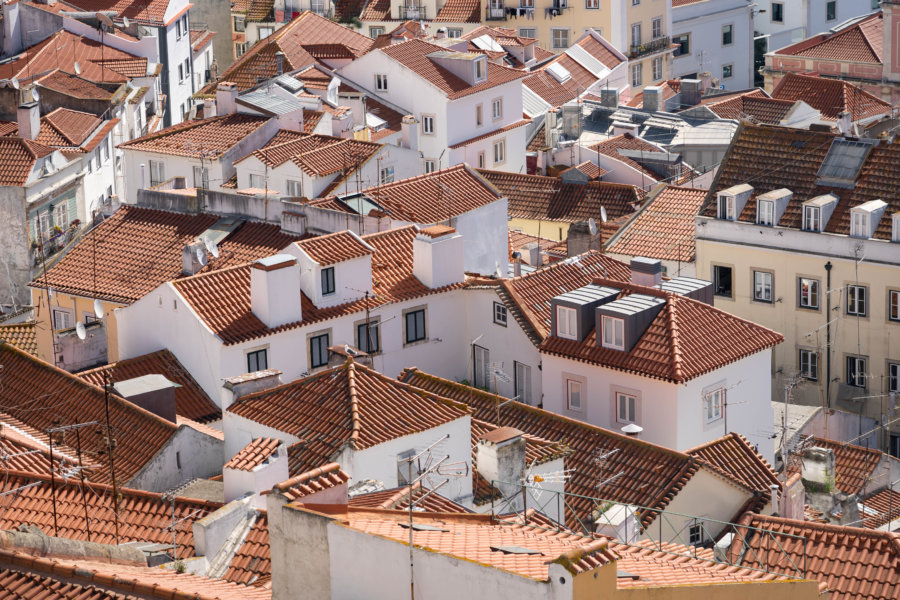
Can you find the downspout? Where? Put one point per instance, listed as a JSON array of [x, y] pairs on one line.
[[828, 335]]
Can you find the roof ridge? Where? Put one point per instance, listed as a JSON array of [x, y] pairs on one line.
[[889, 536], [355, 424], [307, 475], [677, 371]]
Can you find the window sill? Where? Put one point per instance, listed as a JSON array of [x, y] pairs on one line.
[[416, 343]]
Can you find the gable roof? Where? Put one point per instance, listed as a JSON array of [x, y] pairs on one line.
[[72, 85], [335, 247], [398, 499], [860, 42], [210, 137], [253, 454], [626, 141], [17, 159], [753, 104], [66, 127], [551, 199], [145, 12], [137, 249], [350, 406], [21, 335], [190, 399], [663, 228], [830, 96], [686, 339], [313, 481], [854, 466]]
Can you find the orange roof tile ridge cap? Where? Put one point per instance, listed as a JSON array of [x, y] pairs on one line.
[[301, 381], [182, 280], [163, 353], [418, 391], [677, 370], [394, 500], [307, 475], [892, 537], [356, 425], [387, 232], [569, 558]]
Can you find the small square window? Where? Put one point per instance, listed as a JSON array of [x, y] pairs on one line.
[[592, 4], [454, 32], [500, 314], [386, 175], [414, 322], [328, 281], [257, 360], [626, 408], [374, 32], [560, 39], [429, 166], [778, 12], [318, 350], [713, 405], [856, 300], [695, 534], [727, 71], [683, 43], [573, 394]]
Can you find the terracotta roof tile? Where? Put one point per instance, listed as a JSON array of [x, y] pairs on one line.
[[886, 503], [314, 481], [213, 136], [73, 86], [200, 38], [252, 562], [600, 52], [686, 339], [390, 116], [149, 11], [8, 128], [260, 10], [351, 406], [253, 454], [538, 141], [664, 228], [190, 399], [547, 87], [854, 466], [21, 335], [587, 168], [17, 159], [376, 10], [335, 247], [754, 105], [861, 42], [853, 562], [518, 239], [551, 199], [413, 54], [581, 79], [66, 127], [398, 499], [140, 248], [314, 77], [830, 96], [331, 158], [459, 11], [626, 141], [669, 89], [485, 136]]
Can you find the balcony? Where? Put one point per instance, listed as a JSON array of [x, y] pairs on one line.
[[495, 13], [412, 12], [651, 47]]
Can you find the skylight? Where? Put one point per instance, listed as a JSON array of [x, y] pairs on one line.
[[423, 527], [842, 164], [559, 72], [514, 550]]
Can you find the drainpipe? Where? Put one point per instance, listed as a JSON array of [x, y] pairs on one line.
[[828, 335]]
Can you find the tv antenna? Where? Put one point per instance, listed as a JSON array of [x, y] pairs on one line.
[[536, 482]]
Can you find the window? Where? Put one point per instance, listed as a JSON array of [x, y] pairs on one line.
[[637, 74], [187, 68], [762, 286], [566, 324], [178, 29], [809, 292], [367, 337], [257, 360], [500, 314], [560, 39], [727, 71], [61, 215], [479, 68], [656, 28], [859, 224], [104, 150], [713, 405], [528, 32], [727, 35], [591, 4], [201, 177], [695, 534], [239, 23], [428, 124], [386, 175], [613, 333], [481, 367], [180, 72], [479, 115], [725, 208], [257, 181], [765, 212], [429, 165], [414, 321], [522, 374], [239, 49], [812, 218], [856, 371], [625, 408], [381, 83], [657, 68], [573, 394], [62, 319], [684, 44], [374, 32], [856, 300], [497, 108], [778, 12], [894, 377], [157, 172], [265, 32], [499, 152], [894, 305], [636, 35], [481, 160], [809, 364], [318, 350], [292, 188], [454, 32], [831, 10], [722, 281], [327, 281]]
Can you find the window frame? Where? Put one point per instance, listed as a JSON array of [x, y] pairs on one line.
[[293, 185], [856, 377], [407, 340], [480, 67], [256, 177], [637, 74], [684, 45], [615, 327], [569, 312], [374, 32], [893, 375], [728, 29], [256, 353], [554, 44], [772, 11], [812, 292], [481, 365], [381, 82], [428, 122], [728, 71], [571, 384], [716, 281], [830, 7], [633, 406], [656, 66], [636, 40], [893, 305], [730, 208], [479, 115], [656, 28], [501, 146], [500, 309], [592, 4], [364, 334], [522, 393], [859, 224], [811, 358], [203, 172], [497, 109], [159, 167], [386, 175], [327, 282], [767, 220], [63, 314], [314, 345], [854, 300], [532, 30], [762, 275], [713, 410], [812, 214]]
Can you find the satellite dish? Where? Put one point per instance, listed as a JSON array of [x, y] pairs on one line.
[[14, 82], [77, 68], [211, 247], [80, 330], [592, 225], [104, 20], [98, 309], [34, 95], [603, 214], [125, 23]]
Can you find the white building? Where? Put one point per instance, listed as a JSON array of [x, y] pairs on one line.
[[715, 37], [785, 22]]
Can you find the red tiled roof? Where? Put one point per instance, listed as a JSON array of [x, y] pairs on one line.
[[664, 228], [686, 339], [66, 127], [548, 88], [600, 52], [668, 91], [518, 239], [854, 466], [853, 562], [253, 454], [861, 42], [398, 499], [830, 96], [639, 485], [190, 399], [144, 11], [314, 481], [413, 54], [539, 141], [213, 136], [200, 38], [887, 503], [459, 11], [581, 79], [351, 406], [8, 128], [760, 153], [73, 86], [20, 335], [587, 168], [259, 10], [17, 159], [626, 141], [335, 247], [376, 10], [252, 562], [328, 159], [389, 115], [140, 248], [490, 134], [551, 199]]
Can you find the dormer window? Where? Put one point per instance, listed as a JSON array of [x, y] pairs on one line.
[[859, 224], [328, 281], [812, 218], [480, 69], [765, 212], [566, 324], [726, 208], [613, 333]]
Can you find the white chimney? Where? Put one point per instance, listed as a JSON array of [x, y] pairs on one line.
[[776, 508], [438, 257], [226, 98], [653, 98], [193, 258], [275, 290], [239, 386], [209, 108], [845, 123], [620, 127], [409, 132], [500, 455], [255, 469], [29, 118]]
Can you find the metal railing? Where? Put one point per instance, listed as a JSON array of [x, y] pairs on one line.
[[664, 531], [656, 45], [412, 12], [494, 13]]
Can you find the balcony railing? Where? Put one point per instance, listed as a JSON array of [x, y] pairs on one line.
[[651, 47], [412, 12], [556, 9], [494, 13]]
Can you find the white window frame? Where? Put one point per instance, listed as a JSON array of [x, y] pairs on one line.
[[430, 165], [613, 332], [857, 300], [713, 405], [559, 38], [656, 65], [859, 224], [62, 319], [501, 315], [808, 364], [628, 402], [656, 28], [522, 383], [591, 4], [293, 187], [479, 115], [61, 214], [201, 173], [725, 208], [637, 74], [566, 323], [386, 175], [893, 377], [257, 181], [765, 212], [481, 367], [374, 32], [480, 69], [894, 305], [574, 391], [763, 286], [381, 82], [858, 377], [157, 172], [528, 32], [636, 34], [809, 299], [481, 160], [812, 218], [428, 125], [497, 108], [499, 148]]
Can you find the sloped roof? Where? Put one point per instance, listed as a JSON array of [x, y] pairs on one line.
[[66, 127], [830, 96], [140, 248], [860, 42], [141, 11], [664, 227], [854, 466], [686, 339], [334, 247], [459, 11], [398, 499], [754, 105], [551, 199], [548, 88], [72, 85], [253, 454], [351, 406], [886, 503], [626, 141], [313, 481], [20, 335], [17, 159], [212, 137], [200, 38], [190, 399]]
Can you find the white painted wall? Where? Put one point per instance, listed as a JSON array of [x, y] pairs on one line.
[[804, 19]]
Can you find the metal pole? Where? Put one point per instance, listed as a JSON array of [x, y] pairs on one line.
[[828, 337], [87, 519], [53, 486], [110, 448]]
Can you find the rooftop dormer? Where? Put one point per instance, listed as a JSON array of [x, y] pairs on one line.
[[817, 211], [471, 67], [334, 268], [731, 202], [624, 321], [770, 206], [572, 313], [864, 218]]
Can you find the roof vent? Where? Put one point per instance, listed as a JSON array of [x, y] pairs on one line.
[[559, 72], [572, 313]]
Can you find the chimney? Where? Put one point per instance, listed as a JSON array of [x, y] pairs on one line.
[[691, 91], [226, 98], [776, 508], [632, 430], [193, 257], [653, 98], [441, 33], [849, 509], [275, 290], [409, 132], [500, 455], [438, 258], [844, 123], [817, 470], [279, 62], [533, 254], [620, 127], [239, 386], [154, 393], [255, 469], [646, 271], [209, 108], [609, 98], [29, 119], [517, 264], [579, 238]]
